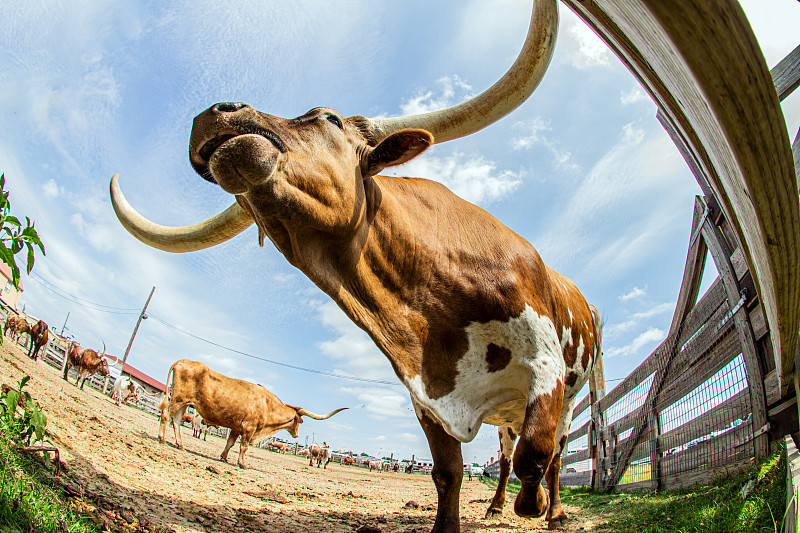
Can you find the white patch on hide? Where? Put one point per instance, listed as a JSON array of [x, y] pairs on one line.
[[566, 337], [535, 369], [506, 443]]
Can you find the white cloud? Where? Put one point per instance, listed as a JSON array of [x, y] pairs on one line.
[[635, 292], [584, 49], [618, 213], [647, 338], [50, 189], [452, 89], [612, 331], [381, 402], [636, 94], [535, 134], [472, 177]]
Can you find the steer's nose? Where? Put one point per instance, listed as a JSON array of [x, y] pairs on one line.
[[228, 107]]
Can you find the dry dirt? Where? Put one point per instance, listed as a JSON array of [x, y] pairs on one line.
[[118, 472]]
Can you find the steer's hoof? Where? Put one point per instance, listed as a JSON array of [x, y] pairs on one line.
[[558, 522], [493, 512], [529, 505]]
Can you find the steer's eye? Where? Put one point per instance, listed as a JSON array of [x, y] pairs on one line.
[[335, 120]]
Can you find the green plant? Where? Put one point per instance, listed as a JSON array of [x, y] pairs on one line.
[[21, 415], [14, 237]]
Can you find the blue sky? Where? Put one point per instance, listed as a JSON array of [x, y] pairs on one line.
[[582, 170]]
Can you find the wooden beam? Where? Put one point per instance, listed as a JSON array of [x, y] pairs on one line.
[[717, 246], [786, 74], [702, 65]]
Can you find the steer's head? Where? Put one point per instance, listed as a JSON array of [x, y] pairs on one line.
[[308, 171]]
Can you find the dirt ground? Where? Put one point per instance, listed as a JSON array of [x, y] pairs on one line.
[[116, 471]]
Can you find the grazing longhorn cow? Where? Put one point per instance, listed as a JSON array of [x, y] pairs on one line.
[[86, 362], [39, 333], [247, 409], [21, 327], [123, 386], [320, 453], [10, 325], [476, 326]]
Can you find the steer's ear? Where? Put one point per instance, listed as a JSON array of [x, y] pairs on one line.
[[396, 149]]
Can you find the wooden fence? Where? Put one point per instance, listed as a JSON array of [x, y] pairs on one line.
[[701, 406]]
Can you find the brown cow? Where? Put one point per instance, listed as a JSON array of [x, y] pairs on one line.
[[348, 461], [86, 362], [247, 409], [22, 327], [10, 325], [39, 333], [476, 326], [279, 447], [320, 453]]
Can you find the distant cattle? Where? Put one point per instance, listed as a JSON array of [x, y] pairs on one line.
[[278, 446], [320, 453], [348, 461], [377, 465], [11, 325], [39, 333], [86, 362], [124, 389], [249, 410]]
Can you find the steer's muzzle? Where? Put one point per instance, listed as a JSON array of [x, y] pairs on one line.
[[232, 144]]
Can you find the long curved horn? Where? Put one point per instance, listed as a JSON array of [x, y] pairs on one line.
[[213, 231], [516, 85], [303, 412]]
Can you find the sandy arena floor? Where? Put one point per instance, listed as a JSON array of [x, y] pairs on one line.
[[118, 472]]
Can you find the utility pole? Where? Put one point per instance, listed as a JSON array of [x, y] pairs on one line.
[[65, 324], [141, 317]]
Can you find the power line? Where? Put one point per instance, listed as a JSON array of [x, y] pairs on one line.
[[295, 367], [81, 301]]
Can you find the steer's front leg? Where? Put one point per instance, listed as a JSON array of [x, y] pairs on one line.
[[535, 451], [447, 473]]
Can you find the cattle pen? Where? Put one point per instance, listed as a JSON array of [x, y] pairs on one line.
[[722, 386]]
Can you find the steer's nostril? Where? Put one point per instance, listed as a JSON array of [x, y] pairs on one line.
[[228, 107]]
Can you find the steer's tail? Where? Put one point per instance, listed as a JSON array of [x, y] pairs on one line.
[[319, 417], [165, 399]]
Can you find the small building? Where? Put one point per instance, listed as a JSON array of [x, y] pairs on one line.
[[9, 294]]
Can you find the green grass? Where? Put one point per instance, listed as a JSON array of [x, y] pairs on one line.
[[28, 502], [718, 508]]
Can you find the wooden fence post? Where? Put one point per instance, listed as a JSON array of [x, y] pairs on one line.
[[597, 430]]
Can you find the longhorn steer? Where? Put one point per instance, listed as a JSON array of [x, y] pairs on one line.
[[123, 387], [247, 409], [474, 323], [86, 362], [39, 333], [320, 453]]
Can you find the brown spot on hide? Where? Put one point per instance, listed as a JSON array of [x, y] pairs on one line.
[[572, 377], [497, 357]]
